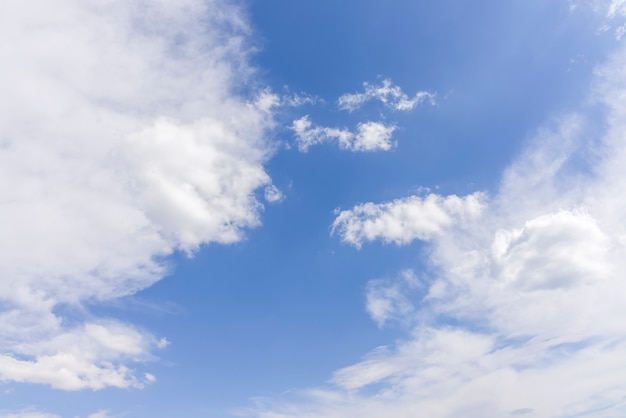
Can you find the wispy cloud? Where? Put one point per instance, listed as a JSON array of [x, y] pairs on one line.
[[522, 315], [300, 99], [370, 136], [33, 413], [387, 93], [273, 194], [617, 8], [268, 100], [121, 141], [613, 11], [388, 300], [28, 413], [101, 414]]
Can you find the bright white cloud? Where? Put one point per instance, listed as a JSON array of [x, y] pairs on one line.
[[121, 141], [370, 136], [373, 136], [91, 356], [404, 220], [387, 93], [523, 315], [551, 251]]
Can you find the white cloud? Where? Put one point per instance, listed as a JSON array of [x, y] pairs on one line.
[[404, 220], [614, 12], [307, 135], [373, 136], [273, 194], [370, 136], [100, 414], [300, 99], [387, 93], [616, 8], [121, 141], [523, 315], [28, 413], [391, 299], [91, 356], [33, 413], [163, 342], [551, 251]]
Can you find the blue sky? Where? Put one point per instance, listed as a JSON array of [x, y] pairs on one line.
[[312, 209]]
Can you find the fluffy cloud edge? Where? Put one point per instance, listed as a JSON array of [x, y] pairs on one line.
[[125, 144], [402, 221]]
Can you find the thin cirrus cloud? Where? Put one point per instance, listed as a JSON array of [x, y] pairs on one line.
[[121, 141], [521, 312], [370, 136]]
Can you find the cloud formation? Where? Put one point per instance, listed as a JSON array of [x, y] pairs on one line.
[[388, 300], [387, 93], [370, 136], [27, 413], [523, 309], [121, 141], [33, 413], [404, 220]]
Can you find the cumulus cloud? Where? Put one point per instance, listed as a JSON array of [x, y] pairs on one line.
[[550, 251], [121, 141], [404, 220], [523, 311], [370, 136], [387, 93]]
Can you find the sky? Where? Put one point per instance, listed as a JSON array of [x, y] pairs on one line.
[[283, 209]]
